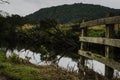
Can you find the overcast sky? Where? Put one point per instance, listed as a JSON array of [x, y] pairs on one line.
[[25, 7]]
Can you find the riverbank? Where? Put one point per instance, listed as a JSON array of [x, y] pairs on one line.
[[20, 71], [15, 68]]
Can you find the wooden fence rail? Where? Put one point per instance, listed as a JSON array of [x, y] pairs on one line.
[[104, 41], [109, 41]]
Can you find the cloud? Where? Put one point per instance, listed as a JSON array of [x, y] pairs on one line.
[[24, 7]]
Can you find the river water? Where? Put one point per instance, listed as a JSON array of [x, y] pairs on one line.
[[64, 62]]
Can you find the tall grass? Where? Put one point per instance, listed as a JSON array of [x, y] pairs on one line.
[[20, 72], [11, 67]]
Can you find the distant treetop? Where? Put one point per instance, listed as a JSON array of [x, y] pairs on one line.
[[72, 13]]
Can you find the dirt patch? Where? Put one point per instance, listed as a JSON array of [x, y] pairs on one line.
[[3, 77], [56, 73]]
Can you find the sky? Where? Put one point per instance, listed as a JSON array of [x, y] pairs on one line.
[[25, 7]]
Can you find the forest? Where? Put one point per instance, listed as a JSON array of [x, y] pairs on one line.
[[73, 13]]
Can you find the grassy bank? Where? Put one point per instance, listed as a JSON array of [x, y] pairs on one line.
[[11, 71]]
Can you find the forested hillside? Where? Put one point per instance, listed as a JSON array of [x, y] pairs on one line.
[[72, 13]]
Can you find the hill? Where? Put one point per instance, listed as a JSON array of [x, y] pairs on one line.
[[72, 13]]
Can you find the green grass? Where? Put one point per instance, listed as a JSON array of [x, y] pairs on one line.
[[20, 72], [17, 71], [2, 56], [95, 33]]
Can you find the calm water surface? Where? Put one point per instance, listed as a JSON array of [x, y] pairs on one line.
[[64, 62]]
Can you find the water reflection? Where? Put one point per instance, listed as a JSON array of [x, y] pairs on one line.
[[64, 62], [68, 63], [96, 66]]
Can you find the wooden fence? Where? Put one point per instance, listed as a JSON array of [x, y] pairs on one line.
[[109, 41]]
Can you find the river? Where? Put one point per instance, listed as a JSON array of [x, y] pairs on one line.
[[64, 62]]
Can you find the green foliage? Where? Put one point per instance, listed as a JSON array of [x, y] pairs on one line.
[[8, 27], [14, 58], [96, 33], [15, 71], [48, 39], [96, 48], [20, 72], [2, 56], [47, 24], [72, 13], [43, 50]]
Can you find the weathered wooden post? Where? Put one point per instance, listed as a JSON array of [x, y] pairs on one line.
[[81, 62], [116, 28], [109, 51]]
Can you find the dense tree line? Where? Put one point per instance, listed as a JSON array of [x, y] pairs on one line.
[[46, 38], [72, 13], [8, 27]]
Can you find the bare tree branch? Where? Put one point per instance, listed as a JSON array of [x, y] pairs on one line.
[[4, 1]]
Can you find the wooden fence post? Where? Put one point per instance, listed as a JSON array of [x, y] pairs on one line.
[[81, 62], [109, 51]]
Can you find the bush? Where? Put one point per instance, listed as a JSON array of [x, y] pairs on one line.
[[14, 58]]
